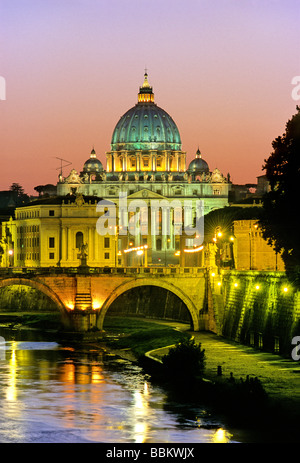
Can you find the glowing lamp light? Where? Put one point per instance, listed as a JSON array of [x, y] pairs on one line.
[[199, 248], [96, 305], [285, 289], [235, 285], [10, 252], [219, 283], [257, 287], [139, 252], [70, 306], [213, 275]]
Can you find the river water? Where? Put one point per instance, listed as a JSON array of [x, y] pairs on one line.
[[52, 393]]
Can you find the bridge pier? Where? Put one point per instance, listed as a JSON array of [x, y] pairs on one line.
[[82, 320]]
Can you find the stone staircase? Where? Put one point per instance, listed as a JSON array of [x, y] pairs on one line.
[[83, 299]]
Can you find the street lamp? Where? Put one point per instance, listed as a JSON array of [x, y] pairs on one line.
[[213, 277], [10, 257]]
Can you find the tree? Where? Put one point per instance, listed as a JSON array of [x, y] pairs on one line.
[[45, 190], [280, 219], [18, 190]]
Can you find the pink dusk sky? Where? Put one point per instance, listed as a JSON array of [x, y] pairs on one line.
[[223, 70]]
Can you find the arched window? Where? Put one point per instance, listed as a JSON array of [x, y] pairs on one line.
[[79, 240]]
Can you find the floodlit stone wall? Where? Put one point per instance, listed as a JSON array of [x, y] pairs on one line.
[[260, 309]]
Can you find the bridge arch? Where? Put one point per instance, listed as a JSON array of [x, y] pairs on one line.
[[36, 285], [122, 288]]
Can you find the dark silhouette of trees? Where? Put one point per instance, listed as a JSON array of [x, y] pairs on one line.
[[280, 220], [20, 196]]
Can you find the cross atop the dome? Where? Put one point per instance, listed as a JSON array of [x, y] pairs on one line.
[[146, 83]]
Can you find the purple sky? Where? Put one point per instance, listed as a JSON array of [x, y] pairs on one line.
[[222, 69]]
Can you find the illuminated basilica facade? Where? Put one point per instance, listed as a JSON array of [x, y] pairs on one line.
[[146, 163]]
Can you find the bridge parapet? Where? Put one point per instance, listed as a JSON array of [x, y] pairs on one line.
[[101, 270]]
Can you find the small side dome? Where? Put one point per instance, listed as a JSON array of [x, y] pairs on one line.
[[198, 165], [93, 165]]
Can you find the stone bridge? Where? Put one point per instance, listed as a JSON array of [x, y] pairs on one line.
[[84, 295]]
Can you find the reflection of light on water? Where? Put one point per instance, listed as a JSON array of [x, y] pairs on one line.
[[141, 412], [139, 402], [11, 393], [146, 388], [97, 376], [68, 373], [220, 436], [140, 430]]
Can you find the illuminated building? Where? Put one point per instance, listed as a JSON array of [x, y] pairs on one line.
[[146, 162], [251, 250], [59, 231]]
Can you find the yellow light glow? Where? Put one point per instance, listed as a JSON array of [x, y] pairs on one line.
[[219, 283], [96, 305], [139, 248], [257, 287], [219, 234], [194, 250], [70, 306], [11, 392], [220, 436], [213, 274], [177, 253], [236, 285], [231, 238], [285, 289], [146, 388]]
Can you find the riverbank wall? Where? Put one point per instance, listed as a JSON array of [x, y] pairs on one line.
[[259, 309]]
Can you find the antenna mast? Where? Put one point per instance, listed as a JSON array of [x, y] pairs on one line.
[[61, 164]]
